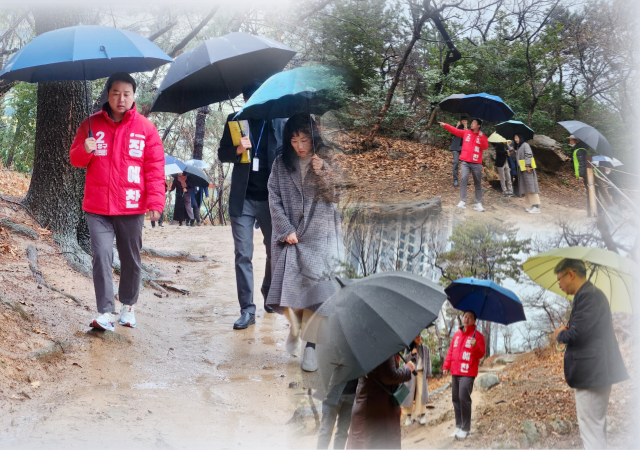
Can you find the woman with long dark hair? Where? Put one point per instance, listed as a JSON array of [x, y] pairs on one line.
[[527, 177], [306, 242]]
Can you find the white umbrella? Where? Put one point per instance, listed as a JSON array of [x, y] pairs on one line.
[[200, 164]]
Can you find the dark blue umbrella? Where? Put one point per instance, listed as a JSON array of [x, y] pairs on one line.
[[486, 107], [489, 301], [510, 128], [83, 52], [451, 103], [311, 90]]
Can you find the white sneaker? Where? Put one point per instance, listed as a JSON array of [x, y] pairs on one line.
[[462, 205], [462, 435], [423, 419], [293, 344], [534, 210], [455, 433], [309, 360], [104, 321], [478, 207], [127, 317], [409, 421]]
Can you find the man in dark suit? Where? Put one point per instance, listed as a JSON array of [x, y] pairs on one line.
[[592, 361], [249, 201]]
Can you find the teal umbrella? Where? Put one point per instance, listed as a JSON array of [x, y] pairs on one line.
[[510, 128], [311, 90]]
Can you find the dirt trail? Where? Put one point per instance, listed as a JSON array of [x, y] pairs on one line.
[[187, 380]]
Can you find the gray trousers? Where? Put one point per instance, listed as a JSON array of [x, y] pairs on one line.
[[341, 411], [474, 169], [242, 229], [456, 162], [127, 231], [504, 173], [591, 406], [461, 389]]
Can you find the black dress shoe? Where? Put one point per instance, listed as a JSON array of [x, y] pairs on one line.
[[265, 294], [244, 321], [455, 183]]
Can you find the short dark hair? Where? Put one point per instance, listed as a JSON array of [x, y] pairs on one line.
[[577, 265], [296, 124], [249, 88], [475, 317], [479, 121], [464, 118], [121, 76]]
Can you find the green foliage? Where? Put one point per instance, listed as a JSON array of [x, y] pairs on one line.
[[18, 135]]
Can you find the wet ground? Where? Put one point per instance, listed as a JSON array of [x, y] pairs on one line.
[[187, 380]]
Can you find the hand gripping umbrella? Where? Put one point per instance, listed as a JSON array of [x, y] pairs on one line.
[[486, 107], [589, 136], [510, 128], [486, 299], [83, 52], [372, 319], [218, 69]]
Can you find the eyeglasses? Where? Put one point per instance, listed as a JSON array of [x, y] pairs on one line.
[[565, 274]]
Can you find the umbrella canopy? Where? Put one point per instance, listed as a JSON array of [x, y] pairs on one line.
[[486, 107], [197, 177], [200, 164], [173, 165], [612, 273], [218, 69], [605, 161], [589, 136], [372, 319], [495, 138], [83, 52], [512, 127], [486, 299], [451, 103], [311, 90]]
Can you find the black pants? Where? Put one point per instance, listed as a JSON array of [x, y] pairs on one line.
[[160, 220], [461, 389]]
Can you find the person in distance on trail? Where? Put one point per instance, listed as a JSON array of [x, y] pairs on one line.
[[592, 360], [124, 180], [527, 176], [473, 143], [465, 352]]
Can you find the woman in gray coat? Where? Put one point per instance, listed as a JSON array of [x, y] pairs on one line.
[[418, 385], [527, 178], [306, 242]]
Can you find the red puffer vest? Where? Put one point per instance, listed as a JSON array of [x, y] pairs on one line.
[[462, 359], [472, 144], [125, 175]]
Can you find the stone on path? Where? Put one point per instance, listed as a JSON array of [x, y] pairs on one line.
[[487, 381], [529, 433]]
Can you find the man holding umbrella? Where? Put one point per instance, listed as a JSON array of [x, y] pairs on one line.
[[592, 360], [473, 143], [249, 201], [124, 180]]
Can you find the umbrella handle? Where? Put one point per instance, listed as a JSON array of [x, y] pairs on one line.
[[415, 372]]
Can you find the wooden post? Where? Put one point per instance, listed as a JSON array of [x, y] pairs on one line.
[[593, 202]]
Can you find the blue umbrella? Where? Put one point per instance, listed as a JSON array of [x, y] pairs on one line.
[[311, 90], [489, 301], [486, 107], [173, 165], [83, 52]]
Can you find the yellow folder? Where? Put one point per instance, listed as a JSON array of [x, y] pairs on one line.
[[523, 167], [239, 129]]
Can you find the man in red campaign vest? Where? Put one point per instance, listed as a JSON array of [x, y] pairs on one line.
[[473, 143], [125, 179], [465, 352]]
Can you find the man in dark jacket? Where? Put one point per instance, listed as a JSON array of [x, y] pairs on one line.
[[592, 360], [456, 148], [249, 202]]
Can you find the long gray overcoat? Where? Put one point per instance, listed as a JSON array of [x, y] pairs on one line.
[[527, 182], [301, 273], [425, 354]]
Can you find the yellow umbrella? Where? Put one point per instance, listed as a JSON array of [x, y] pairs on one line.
[[496, 138], [610, 272]]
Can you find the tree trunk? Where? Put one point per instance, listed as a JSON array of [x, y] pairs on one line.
[[198, 142], [57, 188]]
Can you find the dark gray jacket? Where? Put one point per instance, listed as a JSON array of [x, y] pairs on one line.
[[240, 174], [592, 358], [456, 144]]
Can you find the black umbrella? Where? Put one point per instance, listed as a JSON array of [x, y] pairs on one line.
[[217, 70], [451, 103], [510, 128], [196, 176], [372, 319], [589, 136]]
